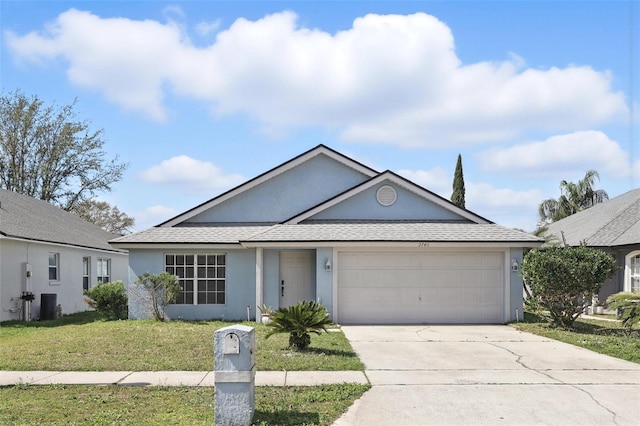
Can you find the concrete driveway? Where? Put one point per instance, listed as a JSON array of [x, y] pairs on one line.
[[487, 375]]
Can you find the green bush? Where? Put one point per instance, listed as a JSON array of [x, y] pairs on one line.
[[565, 278], [108, 299], [299, 321], [158, 291]]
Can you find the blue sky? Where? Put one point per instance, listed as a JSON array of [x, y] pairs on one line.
[[200, 96]]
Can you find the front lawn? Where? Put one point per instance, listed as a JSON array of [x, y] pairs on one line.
[[605, 337], [82, 342], [91, 405]]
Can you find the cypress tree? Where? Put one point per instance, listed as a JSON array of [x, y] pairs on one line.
[[457, 197]]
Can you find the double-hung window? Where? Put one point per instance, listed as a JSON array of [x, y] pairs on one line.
[[86, 272], [634, 273], [104, 270], [202, 277], [54, 266]]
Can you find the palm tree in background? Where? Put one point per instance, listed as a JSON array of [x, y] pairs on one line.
[[574, 197]]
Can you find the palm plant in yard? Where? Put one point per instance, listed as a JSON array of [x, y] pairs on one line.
[[300, 321], [628, 305]]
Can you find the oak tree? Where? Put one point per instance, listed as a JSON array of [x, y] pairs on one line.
[[47, 152]]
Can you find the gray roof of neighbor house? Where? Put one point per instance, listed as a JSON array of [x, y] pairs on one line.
[[332, 232], [615, 222], [27, 218]]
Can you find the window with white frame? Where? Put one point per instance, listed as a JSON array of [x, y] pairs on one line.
[[202, 277], [86, 272], [54, 266], [103, 270], [634, 272]]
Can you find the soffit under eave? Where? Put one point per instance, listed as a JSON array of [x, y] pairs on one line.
[[388, 244], [173, 246]]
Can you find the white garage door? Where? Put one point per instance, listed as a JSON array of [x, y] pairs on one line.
[[419, 287]]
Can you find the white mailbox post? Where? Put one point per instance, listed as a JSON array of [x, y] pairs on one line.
[[234, 375]]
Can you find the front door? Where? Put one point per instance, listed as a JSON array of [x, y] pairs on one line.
[[295, 277]]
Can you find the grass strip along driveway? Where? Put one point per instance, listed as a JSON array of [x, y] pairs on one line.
[[81, 342], [605, 337]]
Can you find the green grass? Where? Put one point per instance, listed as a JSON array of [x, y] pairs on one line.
[[95, 405], [605, 337], [82, 342]]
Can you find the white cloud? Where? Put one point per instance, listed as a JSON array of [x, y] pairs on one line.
[[191, 175], [153, 215], [559, 156], [488, 197], [436, 180], [506, 206], [388, 79], [205, 28]]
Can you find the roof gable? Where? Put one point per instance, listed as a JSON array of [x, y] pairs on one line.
[[282, 191], [24, 217], [414, 203], [615, 222]]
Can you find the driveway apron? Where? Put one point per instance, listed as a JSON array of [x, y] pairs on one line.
[[487, 375]]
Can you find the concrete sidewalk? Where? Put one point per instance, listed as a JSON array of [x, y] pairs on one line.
[[175, 378]]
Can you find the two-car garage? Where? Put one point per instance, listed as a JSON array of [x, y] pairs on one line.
[[417, 286]]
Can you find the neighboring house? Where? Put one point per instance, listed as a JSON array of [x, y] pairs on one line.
[[372, 247], [47, 251], [613, 226]]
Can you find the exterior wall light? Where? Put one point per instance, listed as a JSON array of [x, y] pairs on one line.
[[327, 265], [514, 264]]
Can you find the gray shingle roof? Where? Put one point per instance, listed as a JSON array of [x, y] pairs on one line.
[[28, 218], [394, 231], [331, 232], [207, 234], [613, 223]]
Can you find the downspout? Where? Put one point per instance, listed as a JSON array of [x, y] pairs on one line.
[[27, 295]]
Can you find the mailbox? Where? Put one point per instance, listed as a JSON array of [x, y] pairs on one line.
[[231, 344], [234, 375]]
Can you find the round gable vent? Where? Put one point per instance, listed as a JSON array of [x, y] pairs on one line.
[[386, 195]]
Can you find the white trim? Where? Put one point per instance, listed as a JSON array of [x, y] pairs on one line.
[[51, 243], [196, 266], [392, 244], [267, 176], [627, 269], [180, 246], [56, 266]]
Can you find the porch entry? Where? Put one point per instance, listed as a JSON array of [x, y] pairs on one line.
[[295, 276]]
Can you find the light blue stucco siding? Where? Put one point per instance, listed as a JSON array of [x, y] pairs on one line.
[[516, 288], [324, 278], [408, 206], [240, 290], [271, 278], [287, 194]]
